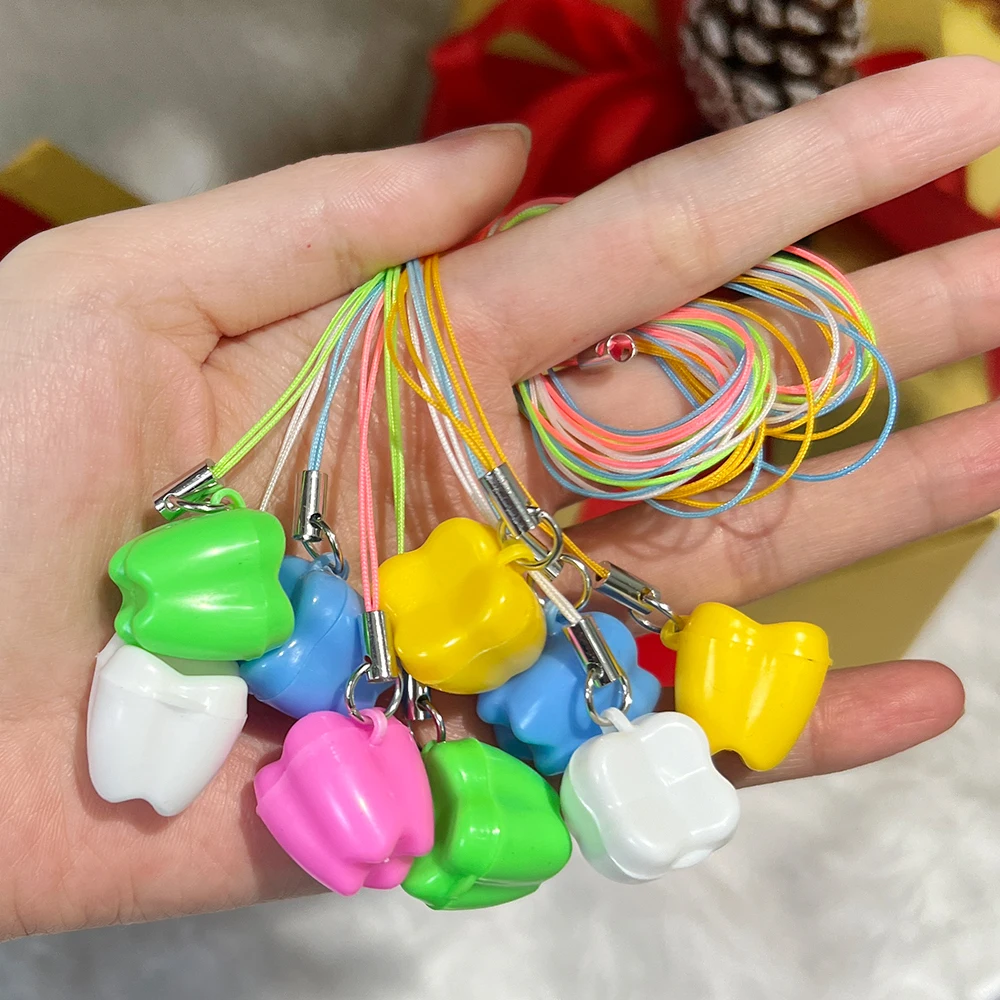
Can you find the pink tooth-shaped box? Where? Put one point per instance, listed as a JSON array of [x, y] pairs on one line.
[[348, 801]]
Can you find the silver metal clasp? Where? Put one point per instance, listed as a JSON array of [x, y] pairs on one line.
[[311, 527], [602, 668], [641, 598], [379, 651], [310, 505], [519, 518], [189, 493], [589, 645], [419, 707], [379, 665]]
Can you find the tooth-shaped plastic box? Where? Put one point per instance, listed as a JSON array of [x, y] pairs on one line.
[[751, 687], [646, 799], [464, 619], [157, 733], [348, 801], [204, 587], [309, 672], [541, 715], [498, 832]]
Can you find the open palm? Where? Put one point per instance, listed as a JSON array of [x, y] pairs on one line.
[[136, 346]]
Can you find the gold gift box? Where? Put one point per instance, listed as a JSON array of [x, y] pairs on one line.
[[57, 187]]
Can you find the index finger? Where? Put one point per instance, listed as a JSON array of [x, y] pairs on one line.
[[683, 223]]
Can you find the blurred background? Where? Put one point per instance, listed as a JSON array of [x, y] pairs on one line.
[[168, 98], [880, 883]]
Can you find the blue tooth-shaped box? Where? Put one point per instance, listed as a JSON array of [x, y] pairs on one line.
[[540, 716], [310, 671]]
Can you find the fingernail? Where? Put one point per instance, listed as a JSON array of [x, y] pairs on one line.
[[522, 130]]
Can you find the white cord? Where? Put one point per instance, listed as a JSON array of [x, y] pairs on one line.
[[292, 433], [562, 604]]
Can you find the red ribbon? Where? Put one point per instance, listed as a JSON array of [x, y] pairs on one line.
[[657, 659], [625, 101], [17, 224], [934, 214]]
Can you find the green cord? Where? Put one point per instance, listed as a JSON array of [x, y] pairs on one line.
[[310, 369], [389, 279], [395, 417]]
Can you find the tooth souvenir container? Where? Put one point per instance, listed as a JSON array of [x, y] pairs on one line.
[[498, 832], [541, 715], [205, 587], [348, 801], [464, 619], [751, 687], [646, 799], [309, 672], [160, 729]]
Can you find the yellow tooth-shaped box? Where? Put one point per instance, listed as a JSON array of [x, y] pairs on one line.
[[464, 619], [751, 687]]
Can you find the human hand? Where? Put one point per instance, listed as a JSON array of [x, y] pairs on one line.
[[134, 346]]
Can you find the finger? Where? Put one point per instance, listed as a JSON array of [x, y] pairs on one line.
[[935, 307], [939, 475], [678, 225], [863, 715], [256, 251], [928, 309]]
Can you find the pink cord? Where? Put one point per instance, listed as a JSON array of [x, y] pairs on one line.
[[379, 724], [371, 359]]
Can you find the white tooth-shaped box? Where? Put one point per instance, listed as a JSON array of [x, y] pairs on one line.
[[645, 798], [159, 729]]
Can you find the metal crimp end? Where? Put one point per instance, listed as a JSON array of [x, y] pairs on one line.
[[189, 492], [310, 506], [419, 707], [311, 526], [380, 655], [512, 505], [415, 697], [589, 645], [379, 665], [642, 599], [602, 668], [519, 517]]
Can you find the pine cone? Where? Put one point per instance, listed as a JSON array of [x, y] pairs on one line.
[[747, 59]]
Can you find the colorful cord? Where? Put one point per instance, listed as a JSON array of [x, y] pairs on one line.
[[719, 358], [365, 322]]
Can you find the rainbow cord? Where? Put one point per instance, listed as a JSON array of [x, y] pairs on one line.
[[719, 358]]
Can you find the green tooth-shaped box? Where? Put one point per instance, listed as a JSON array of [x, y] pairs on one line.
[[205, 587], [498, 830]]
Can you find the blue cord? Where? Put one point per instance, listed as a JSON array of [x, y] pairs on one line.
[[338, 365]]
